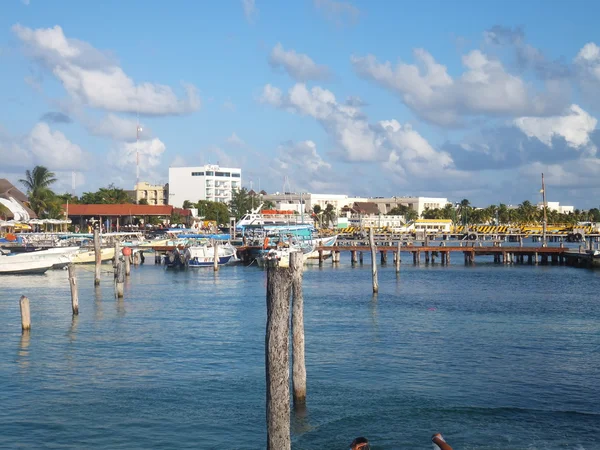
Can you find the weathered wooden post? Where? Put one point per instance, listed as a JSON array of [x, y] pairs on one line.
[[74, 291], [277, 364], [127, 258], [119, 278], [117, 255], [398, 259], [98, 256], [353, 258], [360, 257], [373, 260], [427, 258], [25, 314], [216, 256], [298, 364]]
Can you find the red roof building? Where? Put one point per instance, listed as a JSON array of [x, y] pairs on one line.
[[121, 210]]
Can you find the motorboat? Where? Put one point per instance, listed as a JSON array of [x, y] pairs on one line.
[[25, 263], [85, 256]]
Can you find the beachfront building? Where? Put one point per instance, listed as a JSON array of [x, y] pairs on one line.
[[208, 182], [153, 194], [556, 206], [15, 203], [419, 204]]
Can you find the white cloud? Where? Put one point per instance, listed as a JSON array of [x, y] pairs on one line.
[[575, 126], [338, 12], [235, 140], [228, 105], [587, 63], [298, 65], [301, 155], [125, 155], [92, 78], [25, 2], [118, 128], [41, 146], [250, 10], [398, 147], [484, 88], [52, 149]]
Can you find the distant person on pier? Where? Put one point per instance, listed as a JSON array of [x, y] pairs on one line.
[[439, 441], [360, 443]]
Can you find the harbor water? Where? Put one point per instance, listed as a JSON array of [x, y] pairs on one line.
[[494, 357]]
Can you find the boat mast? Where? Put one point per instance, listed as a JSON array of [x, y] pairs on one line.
[[545, 220]]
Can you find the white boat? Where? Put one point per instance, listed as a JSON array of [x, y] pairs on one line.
[[282, 254], [204, 255], [86, 256], [24, 263], [60, 256], [261, 218], [321, 242]]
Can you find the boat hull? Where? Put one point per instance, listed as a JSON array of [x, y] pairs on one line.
[[87, 257], [16, 266], [208, 261]]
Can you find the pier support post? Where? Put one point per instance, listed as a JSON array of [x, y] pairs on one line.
[[373, 260], [398, 258], [353, 258], [117, 256], [427, 258], [74, 291], [529, 259], [448, 258], [127, 259], [298, 360], [25, 314], [216, 256], [360, 257], [443, 258], [98, 256], [320, 257], [383, 254], [535, 258], [119, 279], [277, 364], [414, 258]]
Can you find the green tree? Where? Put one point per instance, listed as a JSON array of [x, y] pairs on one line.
[[187, 204], [142, 201], [411, 215], [105, 196], [216, 211], [241, 202], [317, 216], [399, 210], [4, 212], [38, 182], [70, 198]]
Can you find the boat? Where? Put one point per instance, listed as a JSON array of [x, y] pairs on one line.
[[321, 242], [273, 217], [281, 253], [24, 263], [86, 256], [204, 255]]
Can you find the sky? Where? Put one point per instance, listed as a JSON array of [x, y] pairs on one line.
[[465, 99]]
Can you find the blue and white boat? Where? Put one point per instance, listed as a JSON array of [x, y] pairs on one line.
[[204, 255]]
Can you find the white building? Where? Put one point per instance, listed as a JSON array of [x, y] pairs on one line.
[[555, 206], [209, 182], [385, 204]]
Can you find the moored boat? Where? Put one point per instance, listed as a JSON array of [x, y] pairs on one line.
[[24, 263], [86, 256]]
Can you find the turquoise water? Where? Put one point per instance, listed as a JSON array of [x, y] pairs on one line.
[[494, 357]]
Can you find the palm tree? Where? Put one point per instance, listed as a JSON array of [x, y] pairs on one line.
[[4, 211], [329, 215], [38, 183]]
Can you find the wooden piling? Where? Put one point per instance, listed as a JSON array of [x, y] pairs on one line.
[[427, 258], [25, 314], [447, 258], [320, 257], [74, 291], [98, 256], [298, 362], [216, 255], [353, 257], [414, 258], [128, 263], [373, 260], [443, 258], [120, 279], [398, 258], [117, 253], [277, 366], [360, 257], [383, 255]]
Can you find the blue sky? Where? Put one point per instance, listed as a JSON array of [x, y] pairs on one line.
[[372, 98]]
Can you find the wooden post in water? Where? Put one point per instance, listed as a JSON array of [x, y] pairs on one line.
[[373, 260], [277, 364], [128, 264], [360, 257], [117, 255], [98, 256], [119, 279], [74, 291], [398, 258], [353, 257], [427, 258], [216, 257], [25, 314], [298, 364]]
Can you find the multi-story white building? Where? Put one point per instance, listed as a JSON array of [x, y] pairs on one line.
[[209, 182], [385, 204], [556, 206]]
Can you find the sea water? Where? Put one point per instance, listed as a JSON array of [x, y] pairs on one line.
[[492, 356]]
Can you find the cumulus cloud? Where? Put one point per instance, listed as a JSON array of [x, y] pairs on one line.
[[339, 12], [484, 88], [41, 146], [575, 126], [94, 79], [587, 63], [250, 10], [397, 147], [150, 151], [298, 65], [118, 128], [235, 140]]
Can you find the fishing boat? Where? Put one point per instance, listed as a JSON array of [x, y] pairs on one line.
[[86, 256], [24, 263], [204, 255], [281, 253]]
